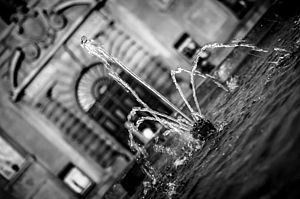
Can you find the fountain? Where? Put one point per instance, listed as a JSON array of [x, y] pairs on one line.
[[183, 122], [193, 130]]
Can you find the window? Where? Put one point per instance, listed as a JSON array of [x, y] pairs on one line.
[[120, 114], [110, 126], [76, 180], [186, 46]]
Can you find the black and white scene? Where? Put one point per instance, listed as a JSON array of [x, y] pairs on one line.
[[149, 99]]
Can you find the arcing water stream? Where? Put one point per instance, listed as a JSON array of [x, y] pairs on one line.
[[183, 126]]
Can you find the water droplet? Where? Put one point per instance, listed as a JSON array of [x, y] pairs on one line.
[[84, 39]]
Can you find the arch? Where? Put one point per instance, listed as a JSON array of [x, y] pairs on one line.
[[93, 76]]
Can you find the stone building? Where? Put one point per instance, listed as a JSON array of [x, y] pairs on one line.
[[62, 131]]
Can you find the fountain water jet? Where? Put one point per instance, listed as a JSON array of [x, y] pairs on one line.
[[97, 50], [192, 131]]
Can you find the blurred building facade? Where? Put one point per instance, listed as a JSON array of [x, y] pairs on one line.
[[62, 131]]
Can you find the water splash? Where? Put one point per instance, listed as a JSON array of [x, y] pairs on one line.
[[213, 46], [165, 120], [147, 186], [181, 125], [232, 84], [166, 150], [142, 159], [171, 189], [281, 58], [180, 161]]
